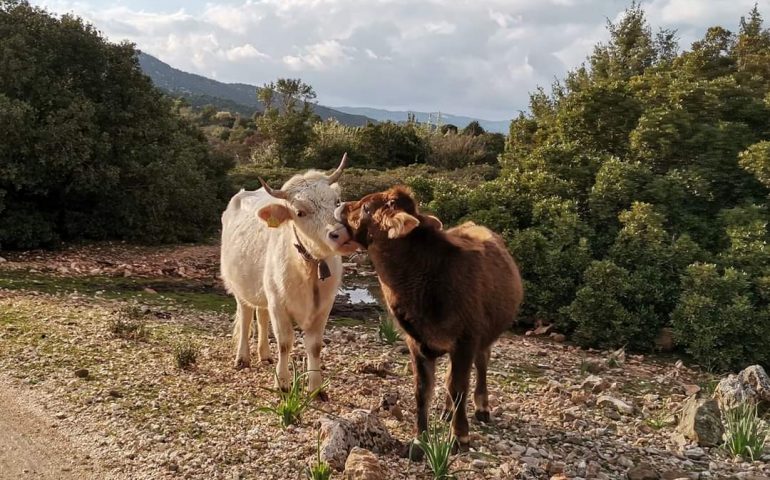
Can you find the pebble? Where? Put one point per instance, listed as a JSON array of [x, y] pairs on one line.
[[531, 461], [625, 462], [81, 373], [531, 452], [479, 464], [694, 452]]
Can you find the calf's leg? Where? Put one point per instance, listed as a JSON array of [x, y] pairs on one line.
[[424, 369], [459, 378], [263, 345], [241, 333], [480, 395]]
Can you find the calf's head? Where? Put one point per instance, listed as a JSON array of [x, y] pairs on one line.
[[308, 201], [383, 216]]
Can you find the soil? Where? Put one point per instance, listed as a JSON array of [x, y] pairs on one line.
[[82, 396]]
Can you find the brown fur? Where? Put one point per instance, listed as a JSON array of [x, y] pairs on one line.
[[452, 291]]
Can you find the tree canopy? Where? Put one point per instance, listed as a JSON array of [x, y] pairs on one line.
[[90, 148]]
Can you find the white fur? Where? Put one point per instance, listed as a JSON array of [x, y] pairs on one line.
[[263, 270]]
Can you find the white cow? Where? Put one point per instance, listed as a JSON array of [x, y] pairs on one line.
[[280, 259]]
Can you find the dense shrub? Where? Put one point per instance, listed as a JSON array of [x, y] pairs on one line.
[[633, 170], [718, 319], [90, 149]]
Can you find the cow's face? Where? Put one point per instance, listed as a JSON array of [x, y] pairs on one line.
[[308, 202], [383, 216]]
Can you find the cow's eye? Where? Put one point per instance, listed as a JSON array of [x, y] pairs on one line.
[[338, 203], [301, 213]]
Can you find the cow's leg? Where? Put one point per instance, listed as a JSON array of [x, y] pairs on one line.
[[314, 341], [283, 329], [241, 334], [462, 360], [424, 369], [263, 345], [480, 395]]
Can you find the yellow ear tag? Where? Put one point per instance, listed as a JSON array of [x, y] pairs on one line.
[[273, 222]]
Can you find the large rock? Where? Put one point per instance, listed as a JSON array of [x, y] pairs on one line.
[[359, 428], [751, 385], [363, 465], [701, 422]]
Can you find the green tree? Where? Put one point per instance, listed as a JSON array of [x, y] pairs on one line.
[[90, 149], [288, 119]]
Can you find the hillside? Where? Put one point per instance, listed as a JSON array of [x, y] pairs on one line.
[[495, 126], [240, 97]]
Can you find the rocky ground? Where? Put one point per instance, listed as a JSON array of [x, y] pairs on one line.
[[558, 411]]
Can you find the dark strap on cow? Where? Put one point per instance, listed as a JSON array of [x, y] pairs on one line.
[[321, 266]]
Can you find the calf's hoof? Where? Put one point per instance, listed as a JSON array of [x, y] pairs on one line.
[[461, 446], [482, 416], [266, 361], [412, 451], [242, 363]]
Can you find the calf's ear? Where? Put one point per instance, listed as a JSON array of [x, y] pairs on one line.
[[432, 221], [400, 224], [274, 214]]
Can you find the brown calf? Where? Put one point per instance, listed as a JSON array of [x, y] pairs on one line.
[[452, 291]]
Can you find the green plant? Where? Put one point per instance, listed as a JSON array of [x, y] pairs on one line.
[[745, 434], [128, 323], [186, 354], [387, 331], [437, 443], [320, 470], [293, 402]]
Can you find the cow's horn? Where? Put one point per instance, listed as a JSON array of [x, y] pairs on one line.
[[275, 193], [336, 175]]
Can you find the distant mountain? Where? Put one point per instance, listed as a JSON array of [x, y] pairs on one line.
[[496, 126], [238, 97]]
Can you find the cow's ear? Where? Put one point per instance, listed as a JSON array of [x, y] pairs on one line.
[[400, 224], [431, 221], [274, 214]]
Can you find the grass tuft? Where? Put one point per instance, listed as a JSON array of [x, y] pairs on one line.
[[320, 470], [128, 323], [745, 433], [293, 402], [186, 354], [387, 331]]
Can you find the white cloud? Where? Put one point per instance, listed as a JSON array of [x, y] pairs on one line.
[[244, 52], [320, 56], [479, 57]]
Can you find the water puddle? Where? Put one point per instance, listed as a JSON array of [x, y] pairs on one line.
[[358, 295]]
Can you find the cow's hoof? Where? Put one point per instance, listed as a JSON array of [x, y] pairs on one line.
[[482, 416], [322, 396], [242, 363], [266, 361], [412, 451]]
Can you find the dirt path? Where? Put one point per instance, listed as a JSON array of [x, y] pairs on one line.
[[30, 445]]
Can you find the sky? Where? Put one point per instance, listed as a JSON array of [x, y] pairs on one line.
[[479, 58]]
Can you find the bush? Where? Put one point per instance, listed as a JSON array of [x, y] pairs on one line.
[[718, 319], [452, 151]]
